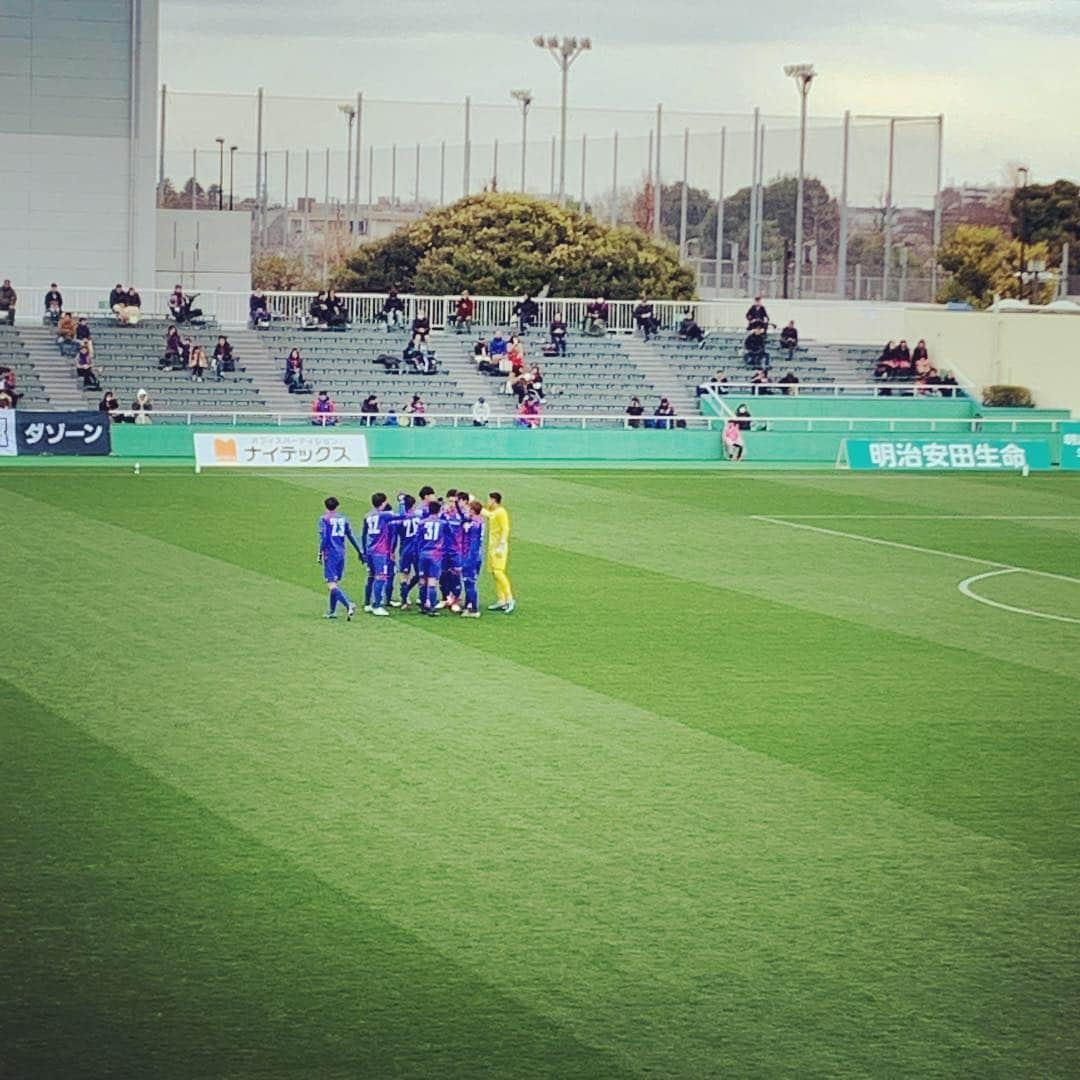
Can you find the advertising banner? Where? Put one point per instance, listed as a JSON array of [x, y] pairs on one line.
[[300, 450], [69, 433], [1070, 445], [950, 455]]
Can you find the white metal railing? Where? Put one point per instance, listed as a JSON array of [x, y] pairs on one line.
[[744, 387], [613, 421]]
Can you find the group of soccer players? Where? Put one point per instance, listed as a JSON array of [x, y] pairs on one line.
[[431, 545]]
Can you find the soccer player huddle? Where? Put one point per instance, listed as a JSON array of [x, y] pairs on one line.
[[431, 545]]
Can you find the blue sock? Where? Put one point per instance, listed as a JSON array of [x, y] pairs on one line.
[[471, 598], [431, 596], [343, 598], [378, 594], [369, 587], [408, 588], [333, 601]]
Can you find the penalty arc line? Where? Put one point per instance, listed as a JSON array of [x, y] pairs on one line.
[[998, 567]]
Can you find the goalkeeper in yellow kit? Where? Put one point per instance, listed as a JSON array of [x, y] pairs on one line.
[[498, 552]]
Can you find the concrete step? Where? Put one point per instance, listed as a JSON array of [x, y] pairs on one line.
[[56, 372]]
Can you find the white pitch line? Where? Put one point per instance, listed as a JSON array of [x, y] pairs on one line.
[[966, 589], [932, 517], [911, 547]]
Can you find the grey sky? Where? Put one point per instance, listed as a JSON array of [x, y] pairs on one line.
[[1002, 71]]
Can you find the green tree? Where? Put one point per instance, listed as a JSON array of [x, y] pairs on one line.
[[508, 243], [983, 261], [698, 204], [1048, 213], [281, 272]]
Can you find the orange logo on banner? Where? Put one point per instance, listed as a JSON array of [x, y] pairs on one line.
[[224, 450]]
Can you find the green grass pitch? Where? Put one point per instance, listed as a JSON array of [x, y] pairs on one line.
[[725, 797]]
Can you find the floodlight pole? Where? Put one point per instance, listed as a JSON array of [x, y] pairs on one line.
[[1023, 169], [524, 99], [232, 172], [565, 52], [804, 75]]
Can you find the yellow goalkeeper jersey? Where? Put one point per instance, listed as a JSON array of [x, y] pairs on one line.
[[498, 527]]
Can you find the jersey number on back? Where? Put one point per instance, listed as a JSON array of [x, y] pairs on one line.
[[337, 527]]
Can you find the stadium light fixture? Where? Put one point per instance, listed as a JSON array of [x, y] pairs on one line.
[[524, 98], [804, 75], [565, 52]]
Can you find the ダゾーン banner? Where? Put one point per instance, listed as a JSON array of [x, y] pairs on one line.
[[300, 450], [69, 433]]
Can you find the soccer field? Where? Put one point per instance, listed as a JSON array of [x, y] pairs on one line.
[[747, 786]]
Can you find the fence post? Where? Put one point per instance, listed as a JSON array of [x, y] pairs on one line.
[[258, 163], [326, 220], [371, 178], [752, 230], [683, 200], [494, 166], [937, 206], [417, 176], [615, 179], [841, 254], [442, 173], [393, 176], [720, 215], [194, 177], [552, 186], [584, 147], [1064, 287], [356, 167], [887, 266], [161, 150], [468, 147]]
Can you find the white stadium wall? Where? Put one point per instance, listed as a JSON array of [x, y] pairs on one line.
[[78, 130], [204, 250]]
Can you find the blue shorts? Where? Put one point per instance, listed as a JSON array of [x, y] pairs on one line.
[[378, 566], [333, 568], [430, 567], [452, 563], [410, 561]]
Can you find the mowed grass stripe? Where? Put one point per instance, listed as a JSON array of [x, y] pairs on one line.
[[144, 936], [577, 851]]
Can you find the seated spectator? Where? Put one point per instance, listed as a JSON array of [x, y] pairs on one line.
[[294, 372], [886, 362], [82, 329], [481, 413], [558, 333], [733, 441], [536, 382], [789, 339], [756, 315], [323, 410], [755, 354], [417, 411], [258, 310], [515, 352], [486, 364], [393, 309], [719, 382], [760, 382], [391, 419], [54, 304], [790, 383], [920, 352], [634, 411], [185, 353], [65, 327], [498, 346], [689, 330], [421, 324], [337, 314], [117, 297], [84, 367], [518, 385], [903, 353], [526, 312], [7, 385], [528, 414], [319, 309], [389, 361], [8, 299], [198, 363], [947, 385], [666, 413], [6, 400], [129, 310], [109, 404], [742, 417], [645, 319], [463, 313], [171, 357], [417, 353], [223, 357], [596, 317], [141, 408], [180, 306], [369, 409]]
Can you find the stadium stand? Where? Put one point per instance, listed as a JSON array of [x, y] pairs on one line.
[[15, 356]]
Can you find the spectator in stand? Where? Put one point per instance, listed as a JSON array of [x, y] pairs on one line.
[[481, 413], [84, 367], [756, 315], [755, 354], [634, 411], [7, 385], [417, 411], [198, 363], [886, 363], [789, 339], [536, 382], [666, 412], [742, 417], [318, 309], [645, 319], [596, 317], [109, 404], [421, 324], [65, 334], [180, 306], [903, 353], [733, 441], [516, 354], [519, 385], [480, 351], [258, 310], [369, 410], [920, 352], [129, 310], [526, 311], [463, 313], [337, 313], [82, 329], [393, 309], [6, 400], [54, 304], [498, 347], [689, 330], [419, 355], [294, 372], [117, 297], [323, 410], [528, 414], [558, 333], [790, 383], [718, 383], [141, 408], [760, 382], [223, 357], [8, 299], [173, 345]]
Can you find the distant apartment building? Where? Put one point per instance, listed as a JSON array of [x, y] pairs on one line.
[[305, 224]]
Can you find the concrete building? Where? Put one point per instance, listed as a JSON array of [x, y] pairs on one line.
[[78, 132]]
